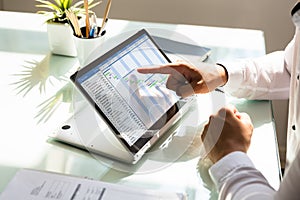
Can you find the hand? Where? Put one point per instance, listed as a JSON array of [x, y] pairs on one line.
[[226, 132], [185, 79]]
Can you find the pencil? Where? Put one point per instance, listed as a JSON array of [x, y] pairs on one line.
[[106, 13], [87, 19], [74, 20]]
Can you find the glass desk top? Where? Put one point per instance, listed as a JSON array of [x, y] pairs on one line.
[[36, 99]]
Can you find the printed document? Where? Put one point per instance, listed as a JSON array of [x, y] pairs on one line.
[[40, 185]]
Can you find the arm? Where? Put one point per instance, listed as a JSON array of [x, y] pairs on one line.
[[186, 79], [267, 77], [240, 180], [226, 139]]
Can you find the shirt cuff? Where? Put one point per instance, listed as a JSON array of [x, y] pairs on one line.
[[235, 75], [226, 166]]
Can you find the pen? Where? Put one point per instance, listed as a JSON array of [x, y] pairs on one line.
[[94, 29], [94, 18]]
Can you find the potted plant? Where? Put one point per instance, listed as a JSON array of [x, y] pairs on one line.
[[59, 30]]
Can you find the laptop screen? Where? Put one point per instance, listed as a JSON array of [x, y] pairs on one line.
[[135, 105]]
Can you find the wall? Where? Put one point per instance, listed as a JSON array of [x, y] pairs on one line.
[[271, 16]]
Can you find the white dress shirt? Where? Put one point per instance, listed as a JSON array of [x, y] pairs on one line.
[[274, 76]]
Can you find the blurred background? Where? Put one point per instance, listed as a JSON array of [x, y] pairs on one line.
[[270, 16]]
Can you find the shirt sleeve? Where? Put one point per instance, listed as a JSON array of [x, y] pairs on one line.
[[266, 77], [236, 178]]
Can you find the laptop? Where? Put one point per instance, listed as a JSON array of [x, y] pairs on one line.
[[128, 112]]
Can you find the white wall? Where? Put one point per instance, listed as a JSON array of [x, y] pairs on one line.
[[271, 16]]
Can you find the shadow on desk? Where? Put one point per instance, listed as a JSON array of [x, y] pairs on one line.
[[39, 76]]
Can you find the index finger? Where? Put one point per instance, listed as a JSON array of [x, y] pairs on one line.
[[161, 69], [169, 68]]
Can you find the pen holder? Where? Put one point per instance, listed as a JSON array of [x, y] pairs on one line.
[[86, 46]]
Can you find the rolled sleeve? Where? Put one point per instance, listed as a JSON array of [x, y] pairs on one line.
[[235, 75], [266, 77]]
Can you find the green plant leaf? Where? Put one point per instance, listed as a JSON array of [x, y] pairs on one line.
[[78, 4], [58, 3], [93, 5], [57, 9], [47, 4], [65, 4]]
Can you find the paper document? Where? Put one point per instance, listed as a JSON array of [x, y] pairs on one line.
[[40, 185]]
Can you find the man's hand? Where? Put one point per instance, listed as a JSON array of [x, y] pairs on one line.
[[226, 132], [185, 79]]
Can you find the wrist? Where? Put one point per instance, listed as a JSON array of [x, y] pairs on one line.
[[228, 147], [216, 158], [223, 73]]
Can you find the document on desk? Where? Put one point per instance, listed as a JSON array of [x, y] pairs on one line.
[[40, 185]]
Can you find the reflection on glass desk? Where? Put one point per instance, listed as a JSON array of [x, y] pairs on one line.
[[36, 98]]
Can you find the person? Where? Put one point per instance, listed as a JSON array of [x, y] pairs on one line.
[[272, 76]]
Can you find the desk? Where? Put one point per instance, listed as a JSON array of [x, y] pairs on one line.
[[24, 135]]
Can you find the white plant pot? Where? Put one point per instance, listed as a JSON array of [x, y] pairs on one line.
[[60, 38]]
